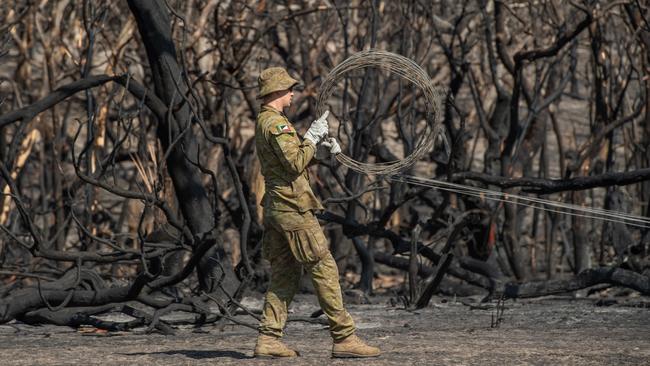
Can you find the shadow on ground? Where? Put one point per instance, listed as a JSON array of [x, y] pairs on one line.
[[195, 354]]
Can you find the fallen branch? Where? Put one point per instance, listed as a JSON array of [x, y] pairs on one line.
[[546, 186], [425, 271], [586, 278]]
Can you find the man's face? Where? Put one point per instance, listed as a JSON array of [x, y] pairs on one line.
[[281, 99], [286, 97]]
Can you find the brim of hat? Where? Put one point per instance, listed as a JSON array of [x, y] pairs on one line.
[[283, 86]]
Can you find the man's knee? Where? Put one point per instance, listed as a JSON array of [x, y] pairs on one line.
[[325, 267]]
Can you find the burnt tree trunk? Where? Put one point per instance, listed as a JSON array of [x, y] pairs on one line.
[[154, 27], [643, 154]]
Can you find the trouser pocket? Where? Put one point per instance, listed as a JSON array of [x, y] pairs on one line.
[[302, 234], [308, 245]]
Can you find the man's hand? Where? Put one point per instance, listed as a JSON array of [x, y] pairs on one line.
[[332, 145], [318, 129], [327, 147]]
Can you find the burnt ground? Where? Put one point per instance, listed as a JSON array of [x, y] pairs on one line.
[[552, 330]]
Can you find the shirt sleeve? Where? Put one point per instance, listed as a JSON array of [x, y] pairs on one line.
[[294, 155]]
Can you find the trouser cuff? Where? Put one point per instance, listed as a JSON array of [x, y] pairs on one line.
[[342, 335], [270, 332]]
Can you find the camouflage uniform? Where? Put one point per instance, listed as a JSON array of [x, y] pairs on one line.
[[293, 239]]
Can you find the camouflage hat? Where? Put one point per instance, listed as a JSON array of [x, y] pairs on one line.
[[274, 79]]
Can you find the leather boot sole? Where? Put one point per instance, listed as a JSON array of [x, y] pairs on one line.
[[273, 356], [266, 355], [351, 355]]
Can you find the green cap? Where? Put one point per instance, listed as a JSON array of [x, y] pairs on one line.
[[274, 79]]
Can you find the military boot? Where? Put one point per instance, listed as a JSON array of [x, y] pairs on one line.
[[269, 346], [352, 346]]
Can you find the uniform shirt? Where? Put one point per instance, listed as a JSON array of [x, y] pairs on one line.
[[284, 159]]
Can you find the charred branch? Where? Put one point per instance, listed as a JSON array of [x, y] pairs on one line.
[[587, 278], [546, 186]]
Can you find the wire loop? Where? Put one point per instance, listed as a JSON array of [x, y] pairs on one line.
[[407, 69]]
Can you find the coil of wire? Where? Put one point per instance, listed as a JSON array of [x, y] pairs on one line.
[[407, 69]]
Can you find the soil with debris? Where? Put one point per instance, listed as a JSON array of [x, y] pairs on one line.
[[458, 331]]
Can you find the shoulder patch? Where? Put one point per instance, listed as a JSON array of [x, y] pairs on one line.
[[284, 129]]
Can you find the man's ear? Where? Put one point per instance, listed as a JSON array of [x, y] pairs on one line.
[[270, 97]]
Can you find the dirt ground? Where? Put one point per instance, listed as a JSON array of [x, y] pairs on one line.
[[552, 330]]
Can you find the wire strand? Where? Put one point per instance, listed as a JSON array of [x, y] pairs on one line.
[[533, 202]]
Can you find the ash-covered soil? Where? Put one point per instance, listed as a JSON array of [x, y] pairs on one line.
[[553, 331]]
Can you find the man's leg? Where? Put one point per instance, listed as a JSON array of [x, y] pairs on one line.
[[285, 279], [325, 277]]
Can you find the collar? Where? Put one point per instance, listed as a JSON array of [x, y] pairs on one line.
[[267, 108]]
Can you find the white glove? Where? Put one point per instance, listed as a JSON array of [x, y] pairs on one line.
[[327, 147], [332, 145], [318, 129]]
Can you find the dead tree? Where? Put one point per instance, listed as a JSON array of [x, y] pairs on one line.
[[173, 110]]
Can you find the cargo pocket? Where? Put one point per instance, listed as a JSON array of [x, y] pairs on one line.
[[308, 245], [301, 231]]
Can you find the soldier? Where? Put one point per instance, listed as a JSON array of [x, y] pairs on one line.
[[293, 239]]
